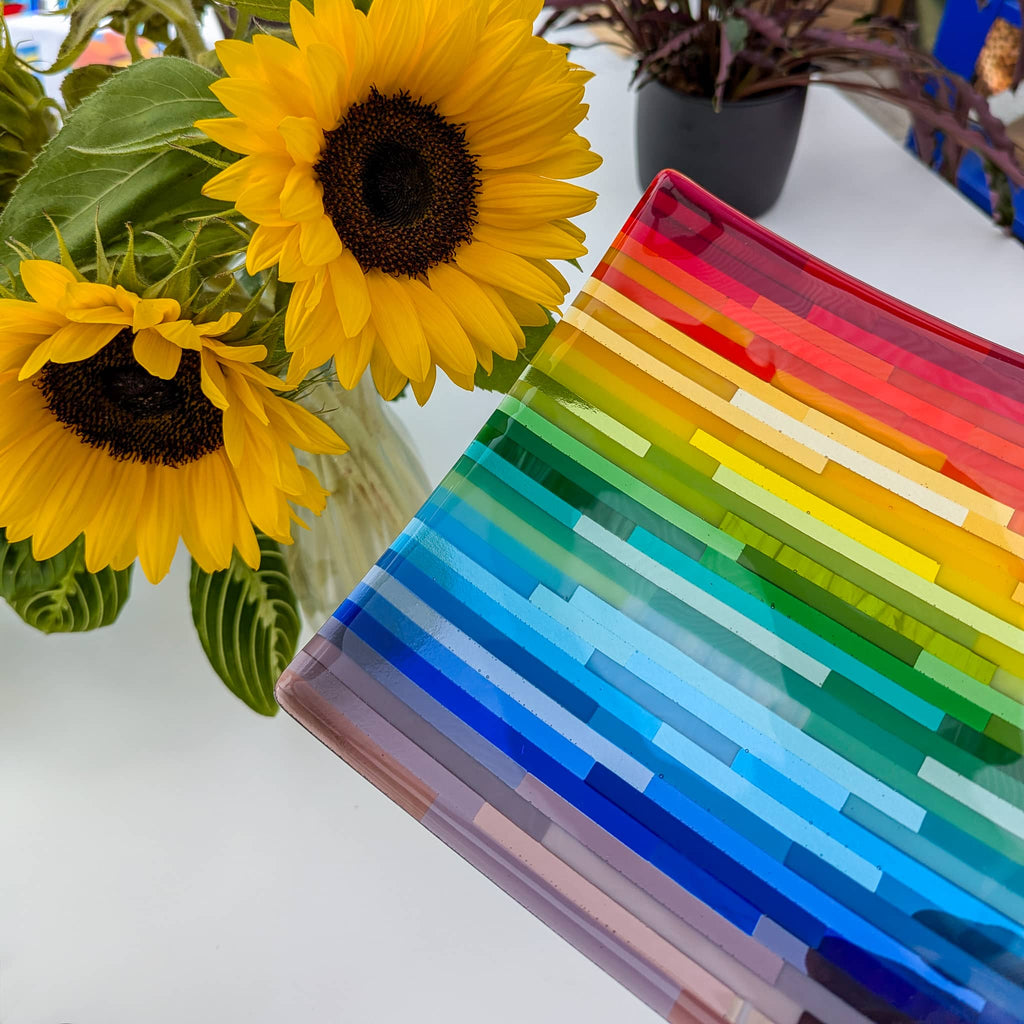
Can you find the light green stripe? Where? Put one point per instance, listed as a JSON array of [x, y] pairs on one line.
[[932, 593], [622, 480], [967, 686]]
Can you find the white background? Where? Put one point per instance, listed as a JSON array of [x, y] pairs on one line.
[[167, 856]]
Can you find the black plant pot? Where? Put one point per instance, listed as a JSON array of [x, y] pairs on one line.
[[741, 153]]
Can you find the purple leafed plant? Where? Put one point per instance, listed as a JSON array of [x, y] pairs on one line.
[[728, 51]]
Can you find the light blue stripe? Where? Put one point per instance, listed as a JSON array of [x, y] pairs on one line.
[[573, 645], [703, 601], [800, 636], [934, 889], [592, 630], [571, 756], [788, 822], [521, 690], [673, 667], [571, 652]]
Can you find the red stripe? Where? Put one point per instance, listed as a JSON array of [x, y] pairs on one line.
[[672, 315]]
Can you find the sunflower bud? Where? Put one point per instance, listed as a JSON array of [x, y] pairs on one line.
[[27, 118]]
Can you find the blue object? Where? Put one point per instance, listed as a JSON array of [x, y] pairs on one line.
[[962, 33]]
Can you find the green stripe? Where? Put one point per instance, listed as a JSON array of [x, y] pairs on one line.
[[992, 700], [620, 587], [906, 676]]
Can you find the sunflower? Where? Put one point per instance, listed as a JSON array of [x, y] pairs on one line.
[[122, 421], [405, 171]]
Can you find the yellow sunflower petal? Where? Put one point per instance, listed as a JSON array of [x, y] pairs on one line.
[[223, 324], [525, 312], [112, 527], [200, 519], [18, 316], [499, 49], [303, 138], [265, 247], [158, 528], [240, 354], [285, 69], [449, 344], [351, 292], [475, 310], [400, 331], [213, 384], [241, 392], [571, 159], [292, 267], [237, 135], [424, 389], [258, 103], [301, 428], [511, 324], [45, 281], [75, 342], [150, 312], [506, 270], [319, 242], [453, 34], [352, 356], [229, 183], [63, 513], [182, 333], [238, 58], [329, 78], [234, 433], [156, 354], [302, 195], [545, 241], [397, 27], [388, 380], [518, 201]]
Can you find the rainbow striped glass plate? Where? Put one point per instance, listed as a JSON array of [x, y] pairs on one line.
[[710, 649]]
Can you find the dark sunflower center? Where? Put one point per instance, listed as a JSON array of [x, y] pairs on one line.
[[111, 402], [399, 184]]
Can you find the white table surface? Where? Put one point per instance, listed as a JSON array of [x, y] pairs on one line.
[[166, 856]]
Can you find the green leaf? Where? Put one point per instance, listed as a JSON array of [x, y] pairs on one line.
[[111, 157], [82, 82], [248, 623], [59, 595], [507, 371], [267, 10]]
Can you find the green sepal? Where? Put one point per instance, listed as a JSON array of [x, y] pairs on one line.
[[59, 595], [248, 624], [506, 372]]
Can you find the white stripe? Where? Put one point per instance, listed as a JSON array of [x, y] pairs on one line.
[[860, 464], [969, 793]]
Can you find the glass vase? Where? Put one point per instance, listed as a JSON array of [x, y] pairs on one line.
[[373, 492]]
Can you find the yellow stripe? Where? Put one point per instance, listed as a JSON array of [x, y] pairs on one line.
[[985, 507], [684, 386], [990, 626], [1018, 594], [823, 511]]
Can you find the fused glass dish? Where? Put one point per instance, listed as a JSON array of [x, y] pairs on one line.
[[710, 649]]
